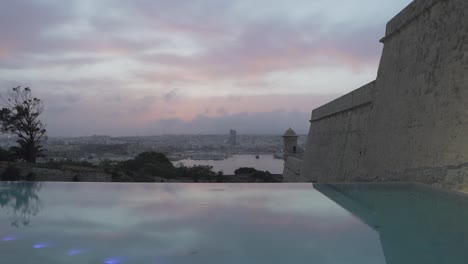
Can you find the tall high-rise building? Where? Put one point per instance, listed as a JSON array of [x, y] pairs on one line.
[[232, 137]]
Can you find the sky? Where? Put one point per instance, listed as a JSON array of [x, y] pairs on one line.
[[148, 67]]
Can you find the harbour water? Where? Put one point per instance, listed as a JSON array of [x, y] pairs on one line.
[[265, 162]]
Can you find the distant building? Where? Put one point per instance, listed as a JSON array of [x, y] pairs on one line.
[[292, 155], [290, 143], [232, 137]]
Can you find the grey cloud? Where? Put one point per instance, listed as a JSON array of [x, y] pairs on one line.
[[186, 17], [237, 98], [90, 116], [115, 98], [143, 105], [57, 109], [23, 23], [31, 28], [221, 111], [72, 98], [236, 44], [275, 45], [233, 49], [148, 100], [171, 95], [59, 102]]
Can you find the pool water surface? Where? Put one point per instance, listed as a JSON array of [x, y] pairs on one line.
[[231, 223]]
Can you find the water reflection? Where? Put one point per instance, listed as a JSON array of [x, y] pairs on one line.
[[190, 223], [416, 224], [21, 201], [232, 223]]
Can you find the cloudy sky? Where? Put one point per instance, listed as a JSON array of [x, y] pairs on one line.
[[145, 67]]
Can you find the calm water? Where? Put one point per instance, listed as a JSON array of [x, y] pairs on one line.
[[231, 223], [228, 166]]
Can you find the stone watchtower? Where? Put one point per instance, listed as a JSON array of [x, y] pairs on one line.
[[290, 143]]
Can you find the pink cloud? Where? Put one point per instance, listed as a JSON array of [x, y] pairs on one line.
[[203, 20], [91, 115], [3, 52], [262, 49], [211, 44], [190, 108]]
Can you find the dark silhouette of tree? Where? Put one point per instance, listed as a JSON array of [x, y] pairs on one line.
[[21, 201], [245, 171], [7, 155], [19, 115], [199, 173], [11, 173], [145, 167], [257, 175], [152, 166]]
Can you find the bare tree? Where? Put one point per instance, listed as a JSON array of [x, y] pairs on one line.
[[19, 115]]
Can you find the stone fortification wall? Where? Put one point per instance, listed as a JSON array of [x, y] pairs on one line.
[[338, 137], [420, 114], [292, 169], [411, 124]]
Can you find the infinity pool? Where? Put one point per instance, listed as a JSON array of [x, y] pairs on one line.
[[231, 223]]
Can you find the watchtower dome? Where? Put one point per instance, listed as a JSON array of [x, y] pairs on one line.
[[290, 142]]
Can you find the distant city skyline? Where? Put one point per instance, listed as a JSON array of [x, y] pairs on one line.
[[147, 67]]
